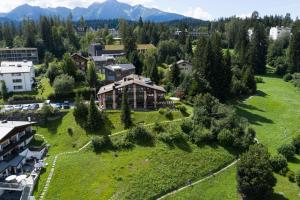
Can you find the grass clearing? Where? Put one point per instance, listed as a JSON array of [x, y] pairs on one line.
[[44, 88], [140, 173]]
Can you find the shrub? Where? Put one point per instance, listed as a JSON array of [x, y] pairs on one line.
[[63, 84], [287, 150], [140, 135], [187, 126], [158, 128], [169, 114], [225, 137], [202, 135], [291, 176], [259, 80], [171, 135], [122, 143], [296, 143], [287, 77], [182, 109], [298, 178], [101, 143], [161, 111], [279, 163]]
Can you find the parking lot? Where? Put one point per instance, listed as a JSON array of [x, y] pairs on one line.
[[35, 106]]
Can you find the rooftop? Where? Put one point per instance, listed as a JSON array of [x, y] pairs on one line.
[[123, 67], [7, 126], [183, 61], [121, 47], [102, 58], [128, 80], [19, 49], [15, 67]]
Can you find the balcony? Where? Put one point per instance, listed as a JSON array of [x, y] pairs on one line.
[[13, 144]]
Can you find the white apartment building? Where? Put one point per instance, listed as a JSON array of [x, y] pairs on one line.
[[18, 76], [279, 31]]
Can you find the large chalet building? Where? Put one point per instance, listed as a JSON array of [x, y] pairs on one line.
[[142, 93]]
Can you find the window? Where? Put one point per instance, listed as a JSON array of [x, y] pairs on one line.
[[16, 74], [17, 80], [19, 87]]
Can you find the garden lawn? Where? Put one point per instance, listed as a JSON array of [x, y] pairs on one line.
[[275, 115], [44, 88], [140, 173]]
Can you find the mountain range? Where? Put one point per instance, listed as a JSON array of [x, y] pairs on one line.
[[110, 9]]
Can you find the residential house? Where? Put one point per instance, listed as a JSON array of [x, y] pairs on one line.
[[118, 72], [279, 31], [80, 61], [14, 139], [185, 66], [18, 76], [102, 61], [95, 49], [19, 54], [142, 93]]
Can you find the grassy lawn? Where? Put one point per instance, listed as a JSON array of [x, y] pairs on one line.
[[140, 173], [274, 113], [44, 88]]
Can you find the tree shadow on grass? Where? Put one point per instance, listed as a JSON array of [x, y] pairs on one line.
[[249, 107], [253, 119], [261, 93], [52, 126], [294, 160], [182, 144]]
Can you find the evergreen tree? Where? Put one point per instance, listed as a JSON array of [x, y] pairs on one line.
[[94, 117], [175, 75], [134, 58], [92, 77], [258, 50], [254, 174], [80, 111], [242, 45], [188, 46], [249, 79], [150, 64], [294, 48], [68, 66], [46, 32], [126, 111], [4, 91]]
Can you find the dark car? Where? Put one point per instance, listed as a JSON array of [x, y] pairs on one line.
[[66, 105]]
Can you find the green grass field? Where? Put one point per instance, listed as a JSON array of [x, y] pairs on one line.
[[140, 173], [274, 113]]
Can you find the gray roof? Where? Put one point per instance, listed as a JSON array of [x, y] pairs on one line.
[[19, 49], [7, 127], [102, 58], [12, 163], [128, 80], [123, 67]]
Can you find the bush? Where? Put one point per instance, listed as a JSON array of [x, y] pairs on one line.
[[298, 178], [187, 126], [171, 135], [169, 114], [287, 150], [161, 111], [202, 135], [182, 109], [225, 137], [287, 77], [63, 84], [279, 163], [296, 144], [85, 92], [259, 80], [291, 176], [101, 143], [158, 128], [140, 135], [122, 143]]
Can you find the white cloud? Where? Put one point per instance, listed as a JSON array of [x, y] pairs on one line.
[[198, 13], [244, 16]]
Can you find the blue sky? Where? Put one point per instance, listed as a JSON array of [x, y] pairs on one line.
[[203, 9]]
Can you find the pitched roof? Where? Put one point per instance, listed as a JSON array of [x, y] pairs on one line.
[[123, 67], [7, 126], [80, 56], [128, 80]]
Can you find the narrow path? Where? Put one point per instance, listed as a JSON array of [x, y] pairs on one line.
[[199, 181], [49, 178]]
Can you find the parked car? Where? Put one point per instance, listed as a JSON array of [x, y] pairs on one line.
[[58, 106], [18, 107], [9, 108], [66, 105], [35, 106], [26, 107]]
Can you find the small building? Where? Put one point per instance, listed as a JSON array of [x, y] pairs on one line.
[[14, 139], [102, 61], [114, 33], [80, 61], [18, 76], [118, 72], [142, 93], [95, 49], [185, 66], [279, 31], [19, 54]]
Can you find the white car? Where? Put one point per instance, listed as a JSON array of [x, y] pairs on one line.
[[26, 107], [18, 107], [9, 108]]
